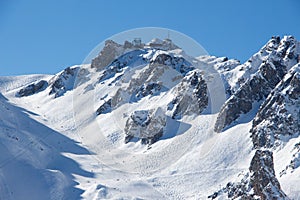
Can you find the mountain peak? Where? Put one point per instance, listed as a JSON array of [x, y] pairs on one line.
[[112, 50]]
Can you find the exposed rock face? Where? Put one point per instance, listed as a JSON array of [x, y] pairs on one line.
[[276, 121], [148, 89], [278, 116], [140, 86], [263, 180], [281, 57], [147, 125], [190, 96], [259, 183], [58, 84], [63, 82], [178, 63], [161, 71], [151, 80], [274, 83], [131, 58], [104, 108], [110, 51], [113, 50], [33, 89], [237, 190], [254, 90]]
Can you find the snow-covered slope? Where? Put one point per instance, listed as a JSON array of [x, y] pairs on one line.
[[138, 123], [33, 164]]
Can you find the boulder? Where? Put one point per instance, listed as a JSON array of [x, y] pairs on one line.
[[147, 125], [32, 89]]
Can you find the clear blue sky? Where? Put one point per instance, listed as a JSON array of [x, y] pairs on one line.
[[47, 36]]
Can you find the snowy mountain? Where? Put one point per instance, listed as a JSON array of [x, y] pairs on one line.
[[148, 121]]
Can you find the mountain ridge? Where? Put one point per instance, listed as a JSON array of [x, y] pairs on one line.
[[146, 111]]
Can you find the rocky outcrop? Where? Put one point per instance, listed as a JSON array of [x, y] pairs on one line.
[[132, 59], [258, 86], [259, 183], [113, 50], [104, 108], [278, 117], [32, 89], [176, 62], [191, 96], [59, 84], [140, 57], [276, 87], [63, 82], [236, 190], [147, 125], [151, 80], [263, 180], [110, 51], [148, 89], [254, 90]]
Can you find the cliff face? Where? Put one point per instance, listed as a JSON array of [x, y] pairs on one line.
[[191, 96], [259, 182], [263, 179], [278, 117], [110, 51], [260, 76]]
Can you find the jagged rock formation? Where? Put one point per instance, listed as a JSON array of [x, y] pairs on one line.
[[110, 51], [271, 78], [132, 58], [58, 84], [147, 125], [140, 57], [148, 89], [32, 89], [254, 90], [259, 183], [177, 62], [151, 81], [238, 190], [281, 56], [190, 96], [278, 116], [263, 180], [104, 108], [63, 82], [113, 50]]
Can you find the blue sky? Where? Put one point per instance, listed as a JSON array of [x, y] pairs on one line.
[[48, 36]]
